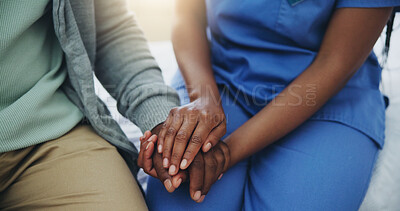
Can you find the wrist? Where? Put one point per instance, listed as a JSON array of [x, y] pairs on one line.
[[205, 92], [233, 157]]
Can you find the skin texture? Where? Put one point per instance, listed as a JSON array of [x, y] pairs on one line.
[[206, 168], [187, 129], [349, 39]]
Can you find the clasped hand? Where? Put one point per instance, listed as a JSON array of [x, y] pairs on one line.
[[186, 130]]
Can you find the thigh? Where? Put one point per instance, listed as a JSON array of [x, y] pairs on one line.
[[320, 166], [225, 194], [79, 171]]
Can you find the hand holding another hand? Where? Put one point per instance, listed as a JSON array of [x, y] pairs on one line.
[[199, 124], [204, 171]]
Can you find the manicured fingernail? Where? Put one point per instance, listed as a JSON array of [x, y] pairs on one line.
[[220, 176], [183, 163], [178, 182], [172, 170], [168, 184], [197, 195], [201, 199], [147, 146], [165, 162], [159, 148], [207, 147]]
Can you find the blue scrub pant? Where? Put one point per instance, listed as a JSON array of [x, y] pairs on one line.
[[322, 165]]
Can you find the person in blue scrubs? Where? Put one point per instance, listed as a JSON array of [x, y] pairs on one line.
[[299, 88]]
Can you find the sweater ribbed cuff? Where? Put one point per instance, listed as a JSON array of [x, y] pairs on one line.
[[153, 111]]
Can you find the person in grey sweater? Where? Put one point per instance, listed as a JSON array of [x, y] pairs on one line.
[[66, 164]]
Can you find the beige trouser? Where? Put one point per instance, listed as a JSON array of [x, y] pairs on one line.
[[79, 171]]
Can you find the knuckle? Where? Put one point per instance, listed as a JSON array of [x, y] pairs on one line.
[[188, 153], [181, 137], [175, 156], [196, 140], [216, 118], [177, 114], [212, 165], [166, 152], [171, 131], [173, 111], [219, 156], [165, 125], [197, 163]]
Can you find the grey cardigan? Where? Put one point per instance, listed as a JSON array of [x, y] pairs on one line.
[[101, 37]]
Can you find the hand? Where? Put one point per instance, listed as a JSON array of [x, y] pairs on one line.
[[206, 169], [147, 158], [202, 121]]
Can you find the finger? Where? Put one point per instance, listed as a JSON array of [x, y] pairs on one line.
[[196, 174], [143, 145], [145, 136], [147, 158], [226, 153], [163, 131], [195, 143], [215, 135], [180, 143], [210, 172], [221, 161], [162, 173], [179, 178], [170, 137]]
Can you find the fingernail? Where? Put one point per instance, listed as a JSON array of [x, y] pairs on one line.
[[151, 138], [147, 146], [172, 170], [220, 176], [168, 184], [201, 198], [207, 147], [178, 182], [165, 162], [183, 163], [197, 195], [159, 148]]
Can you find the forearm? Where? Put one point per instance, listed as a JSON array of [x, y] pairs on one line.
[[192, 49], [349, 40], [286, 112], [126, 68]]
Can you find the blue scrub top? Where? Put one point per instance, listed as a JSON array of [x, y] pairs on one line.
[[259, 46]]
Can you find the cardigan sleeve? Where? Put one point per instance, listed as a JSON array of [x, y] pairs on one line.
[[126, 68]]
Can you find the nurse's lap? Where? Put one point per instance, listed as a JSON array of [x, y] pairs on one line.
[[225, 194], [321, 165]]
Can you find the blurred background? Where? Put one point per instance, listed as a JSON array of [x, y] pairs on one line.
[[155, 17]]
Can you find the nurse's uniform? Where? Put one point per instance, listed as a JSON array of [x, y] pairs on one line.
[[258, 47]]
